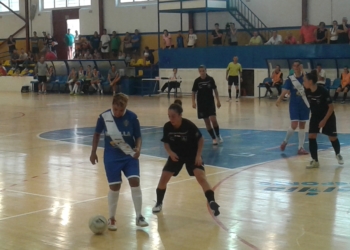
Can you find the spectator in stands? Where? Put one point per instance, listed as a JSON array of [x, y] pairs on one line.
[[128, 59], [97, 55], [44, 38], [14, 59], [115, 44], [49, 55], [95, 41], [321, 34], [343, 35], [121, 56], [3, 71], [11, 43], [35, 46], [180, 40], [233, 35], [148, 54], [23, 58], [334, 33], [277, 81], [127, 43], [136, 42], [321, 75], [192, 39], [174, 82], [217, 35], [51, 43], [50, 77], [290, 39], [41, 72], [345, 85], [69, 41], [275, 39], [77, 39], [307, 33], [167, 40], [96, 81], [256, 39], [87, 55], [88, 73], [71, 80], [114, 79], [105, 40]]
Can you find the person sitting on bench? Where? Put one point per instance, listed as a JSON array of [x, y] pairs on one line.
[[277, 81], [174, 82]]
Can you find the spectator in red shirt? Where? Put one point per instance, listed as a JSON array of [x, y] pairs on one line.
[[290, 39], [307, 33]]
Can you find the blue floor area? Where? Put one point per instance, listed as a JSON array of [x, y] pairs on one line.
[[240, 147]]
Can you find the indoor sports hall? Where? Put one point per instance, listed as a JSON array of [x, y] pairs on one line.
[[268, 198]]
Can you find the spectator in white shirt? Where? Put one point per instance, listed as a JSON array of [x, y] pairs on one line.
[[174, 82], [192, 39], [334, 33], [275, 39], [105, 39], [321, 75]]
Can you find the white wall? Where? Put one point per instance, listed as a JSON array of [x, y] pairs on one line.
[[216, 17], [328, 10]]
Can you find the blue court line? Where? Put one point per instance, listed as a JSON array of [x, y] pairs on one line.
[[240, 147]]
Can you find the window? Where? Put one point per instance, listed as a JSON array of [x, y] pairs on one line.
[[52, 4], [12, 4], [133, 1]]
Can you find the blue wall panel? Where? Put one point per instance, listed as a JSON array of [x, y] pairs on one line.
[[249, 56]]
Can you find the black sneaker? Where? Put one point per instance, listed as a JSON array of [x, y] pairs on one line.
[[214, 208]]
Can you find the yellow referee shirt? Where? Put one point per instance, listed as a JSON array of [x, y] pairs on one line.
[[234, 69]]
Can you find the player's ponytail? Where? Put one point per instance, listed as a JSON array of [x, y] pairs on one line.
[[177, 106], [312, 76]]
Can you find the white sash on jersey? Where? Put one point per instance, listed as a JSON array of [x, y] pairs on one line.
[[116, 136], [300, 88]]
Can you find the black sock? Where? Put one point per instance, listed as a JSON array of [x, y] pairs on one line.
[[160, 195], [336, 146], [217, 131], [229, 93], [344, 96], [313, 149], [210, 195], [211, 132], [237, 92], [335, 96]]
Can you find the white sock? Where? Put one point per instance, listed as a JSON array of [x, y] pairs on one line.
[[94, 87], [99, 86], [70, 88], [112, 202], [289, 134], [301, 138], [74, 88], [137, 199]]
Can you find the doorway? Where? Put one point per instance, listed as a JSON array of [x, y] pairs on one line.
[[74, 26]]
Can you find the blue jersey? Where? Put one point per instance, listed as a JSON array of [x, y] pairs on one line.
[[129, 127]]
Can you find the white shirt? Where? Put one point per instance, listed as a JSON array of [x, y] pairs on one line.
[[191, 39], [105, 39], [275, 41], [174, 78], [334, 34], [322, 74]]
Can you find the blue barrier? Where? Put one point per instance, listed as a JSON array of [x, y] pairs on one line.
[[251, 57]]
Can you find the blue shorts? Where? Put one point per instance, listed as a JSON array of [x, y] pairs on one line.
[[299, 113], [129, 166]]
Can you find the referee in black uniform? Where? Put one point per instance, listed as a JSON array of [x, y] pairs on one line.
[[322, 118], [184, 143], [203, 88]]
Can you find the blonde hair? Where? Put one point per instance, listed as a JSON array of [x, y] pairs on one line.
[[120, 100]]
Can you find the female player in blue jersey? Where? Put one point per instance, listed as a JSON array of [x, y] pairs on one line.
[[122, 150], [298, 106]]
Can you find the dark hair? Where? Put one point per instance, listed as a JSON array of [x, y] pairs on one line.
[[202, 67], [319, 64], [298, 61], [177, 106], [312, 76], [173, 70], [277, 65], [216, 24]]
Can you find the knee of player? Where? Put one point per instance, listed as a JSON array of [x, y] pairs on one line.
[[114, 187], [312, 136], [332, 138], [134, 181]]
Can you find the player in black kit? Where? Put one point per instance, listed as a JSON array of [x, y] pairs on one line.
[[203, 88], [322, 118], [184, 143]]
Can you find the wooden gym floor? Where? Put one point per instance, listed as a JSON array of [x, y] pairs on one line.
[[268, 200]]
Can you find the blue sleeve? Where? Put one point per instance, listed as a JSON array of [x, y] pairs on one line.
[[136, 128], [288, 84], [100, 126]]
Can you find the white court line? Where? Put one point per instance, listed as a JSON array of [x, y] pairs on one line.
[[40, 195]]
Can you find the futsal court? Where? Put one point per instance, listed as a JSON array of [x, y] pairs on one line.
[[268, 199]]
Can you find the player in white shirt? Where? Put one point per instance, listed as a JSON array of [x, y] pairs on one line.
[[192, 39]]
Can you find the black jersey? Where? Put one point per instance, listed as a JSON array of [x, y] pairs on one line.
[[204, 89], [184, 140], [319, 101]]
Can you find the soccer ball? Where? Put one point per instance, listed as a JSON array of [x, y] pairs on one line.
[[98, 224]]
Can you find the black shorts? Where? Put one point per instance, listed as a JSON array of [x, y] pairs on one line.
[[205, 111], [330, 129], [42, 79], [176, 166], [35, 50], [233, 80], [346, 87]]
